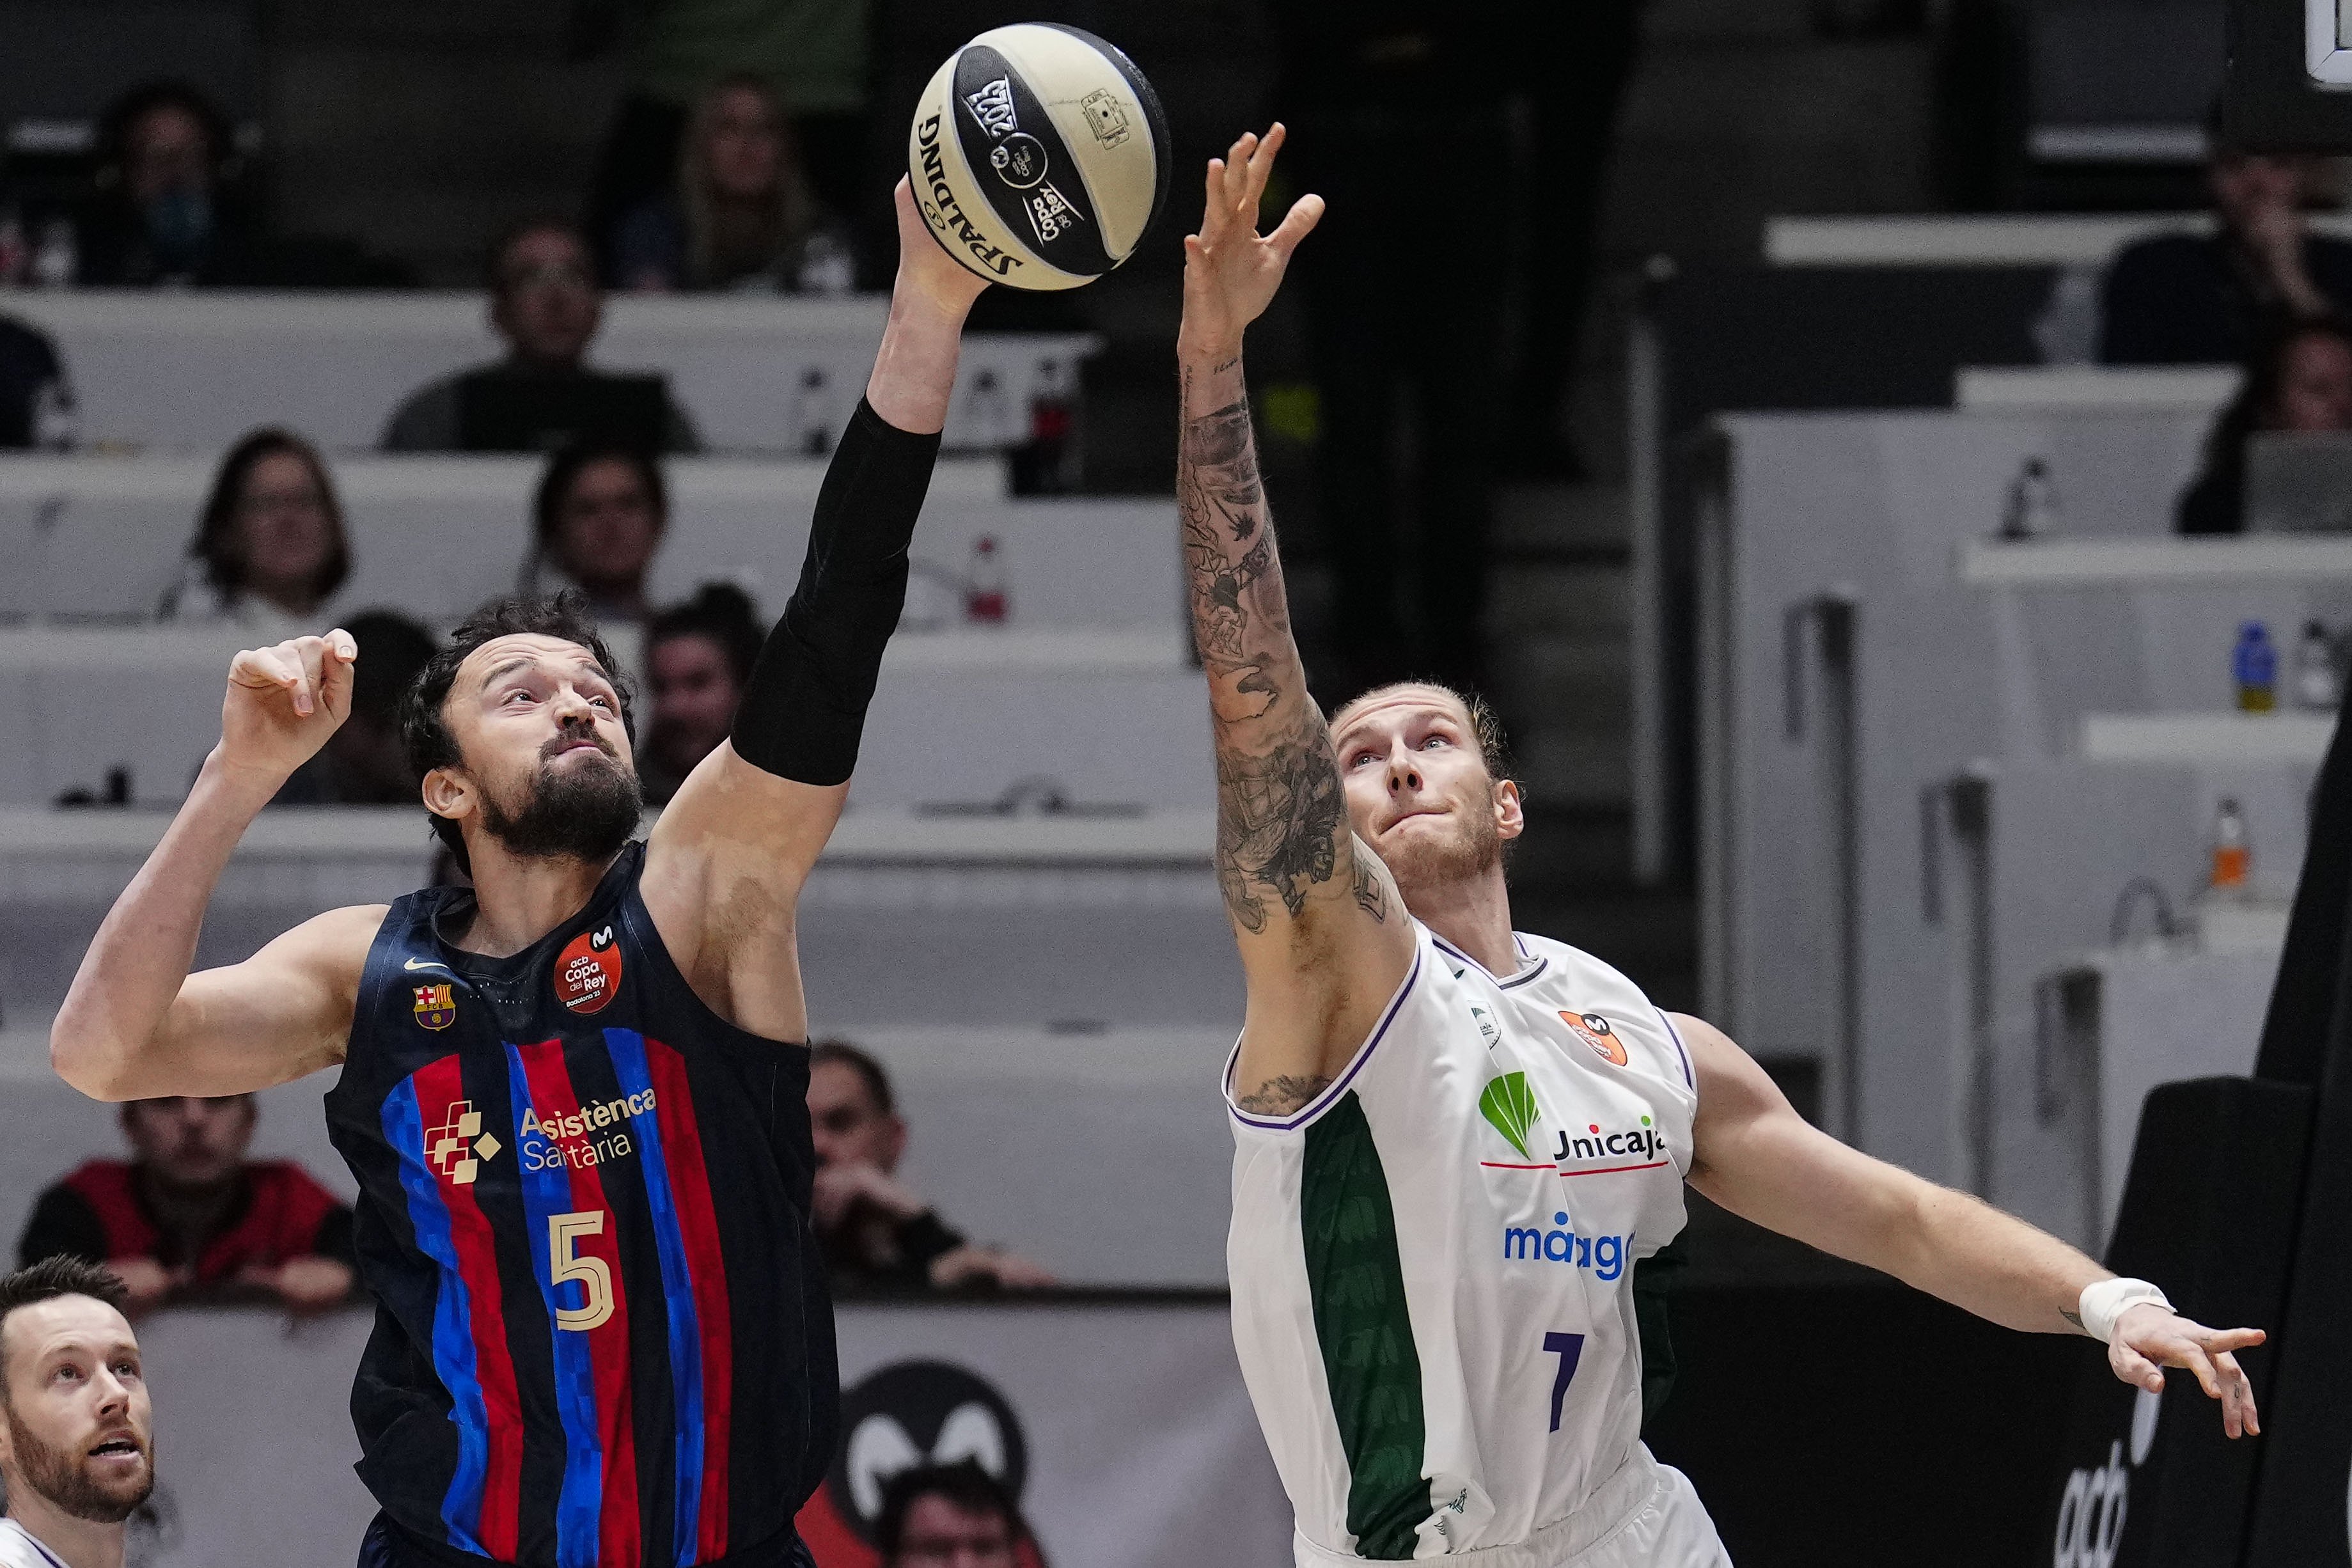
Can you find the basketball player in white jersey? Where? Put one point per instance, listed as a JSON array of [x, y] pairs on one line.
[[1454, 1141], [75, 1448]]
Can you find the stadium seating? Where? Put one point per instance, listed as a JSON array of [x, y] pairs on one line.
[[97, 538], [191, 372]]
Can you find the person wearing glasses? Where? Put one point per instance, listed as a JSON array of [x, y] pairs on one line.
[[546, 303], [270, 550]]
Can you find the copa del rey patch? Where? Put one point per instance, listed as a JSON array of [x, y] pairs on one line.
[[588, 970]]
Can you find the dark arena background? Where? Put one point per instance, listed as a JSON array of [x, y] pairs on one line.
[[1886, 463]]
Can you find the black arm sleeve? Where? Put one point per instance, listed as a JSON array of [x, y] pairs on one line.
[[802, 713], [62, 1222]]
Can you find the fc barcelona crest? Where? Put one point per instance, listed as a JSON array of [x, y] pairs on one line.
[[437, 1005]]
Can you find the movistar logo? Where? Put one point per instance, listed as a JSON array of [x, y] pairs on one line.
[[1509, 1105]]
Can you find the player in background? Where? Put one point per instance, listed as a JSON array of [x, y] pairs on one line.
[[75, 1448], [574, 1095], [1453, 1141]]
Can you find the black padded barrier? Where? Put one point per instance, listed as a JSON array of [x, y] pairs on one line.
[[2209, 1211]]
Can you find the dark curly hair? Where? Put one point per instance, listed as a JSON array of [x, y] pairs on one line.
[[425, 730]]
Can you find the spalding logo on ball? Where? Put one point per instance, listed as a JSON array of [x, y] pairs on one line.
[[1039, 156]]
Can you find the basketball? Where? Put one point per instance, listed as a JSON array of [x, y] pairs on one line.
[[1039, 156]]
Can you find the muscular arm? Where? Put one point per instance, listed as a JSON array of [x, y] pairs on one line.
[[136, 1023], [1322, 933], [1756, 1156], [726, 862]]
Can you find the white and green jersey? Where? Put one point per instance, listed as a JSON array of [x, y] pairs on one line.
[[1433, 1261]]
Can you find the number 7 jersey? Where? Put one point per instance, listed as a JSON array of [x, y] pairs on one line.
[[1431, 1261], [601, 1334]]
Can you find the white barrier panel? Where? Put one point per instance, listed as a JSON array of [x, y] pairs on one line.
[[959, 719], [1135, 1442], [92, 537], [998, 1120], [191, 371]]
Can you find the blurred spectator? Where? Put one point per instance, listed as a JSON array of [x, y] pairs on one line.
[[949, 1516], [876, 1232], [698, 660], [545, 302], [740, 216], [270, 549], [190, 1213], [598, 517], [2300, 379], [1387, 101], [35, 400], [812, 55], [2181, 299], [165, 211], [364, 761]]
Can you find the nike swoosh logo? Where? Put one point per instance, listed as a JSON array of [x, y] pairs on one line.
[[413, 964]]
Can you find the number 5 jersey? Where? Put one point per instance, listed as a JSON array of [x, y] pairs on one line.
[[601, 1332], [1433, 1261]]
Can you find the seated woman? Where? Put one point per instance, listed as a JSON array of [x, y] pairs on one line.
[[599, 516], [2300, 379], [741, 216], [270, 549]]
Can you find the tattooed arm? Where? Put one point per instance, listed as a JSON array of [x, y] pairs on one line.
[[1323, 935]]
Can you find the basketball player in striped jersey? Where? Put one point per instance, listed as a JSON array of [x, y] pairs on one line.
[[574, 1094], [1453, 1141]]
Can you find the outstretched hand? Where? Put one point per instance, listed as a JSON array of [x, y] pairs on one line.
[[283, 702], [2148, 1339], [1232, 271], [924, 265]]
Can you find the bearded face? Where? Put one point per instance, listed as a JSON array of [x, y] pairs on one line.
[[103, 1481], [581, 803]]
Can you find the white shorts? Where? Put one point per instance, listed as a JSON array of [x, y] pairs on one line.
[[1647, 1515]]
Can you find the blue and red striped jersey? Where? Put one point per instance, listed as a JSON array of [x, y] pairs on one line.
[[603, 1336]]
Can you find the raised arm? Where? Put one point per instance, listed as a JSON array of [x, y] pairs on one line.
[[136, 1023], [725, 864], [1323, 935], [1757, 1157]]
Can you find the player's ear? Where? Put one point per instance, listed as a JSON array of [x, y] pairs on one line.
[[1510, 811], [448, 793]]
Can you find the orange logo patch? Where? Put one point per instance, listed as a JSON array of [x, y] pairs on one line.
[[1594, 1031], [588, 970], [437, 1006]]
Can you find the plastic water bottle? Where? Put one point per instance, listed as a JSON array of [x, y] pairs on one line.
[[985, 414], [2253, 665], [2233, 857], [55, 425], [985, 601], [812, 414], [57, 260], [2032, 512], [1046, 464], [2318, 687]]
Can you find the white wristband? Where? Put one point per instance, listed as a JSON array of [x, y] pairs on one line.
[[2106, 1300]]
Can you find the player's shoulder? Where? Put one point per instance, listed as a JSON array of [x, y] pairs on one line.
[[1573, 966], [18, 1549]]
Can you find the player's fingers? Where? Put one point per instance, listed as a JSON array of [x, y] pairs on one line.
[[2134, 1368], [2187, 1352], [1297, 224], [1260, 163], [1216, 211], [2237, 1395], [262, 667], [1237, 172], [2231, 1338]]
